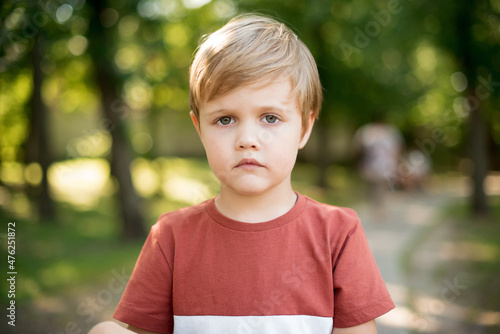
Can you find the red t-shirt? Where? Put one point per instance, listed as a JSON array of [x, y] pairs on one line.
[[303, 272]]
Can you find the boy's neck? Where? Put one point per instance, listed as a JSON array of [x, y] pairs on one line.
[[257, 208]]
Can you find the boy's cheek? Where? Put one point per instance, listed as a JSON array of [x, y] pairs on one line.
[[223, 177], [278, 134], [265, 136], [217, 162]]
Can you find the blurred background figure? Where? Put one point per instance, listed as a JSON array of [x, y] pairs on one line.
[[418, 166], [379, 146]]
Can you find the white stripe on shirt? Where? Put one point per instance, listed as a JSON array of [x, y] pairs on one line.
[[271, 324]]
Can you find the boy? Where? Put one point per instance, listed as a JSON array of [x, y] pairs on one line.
[[259, 257]]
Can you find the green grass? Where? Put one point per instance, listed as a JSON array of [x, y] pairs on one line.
[[473, 260], [78, 250], [480, 242]]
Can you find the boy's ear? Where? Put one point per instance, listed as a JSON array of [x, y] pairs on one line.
[[307, 132], [196, 123]]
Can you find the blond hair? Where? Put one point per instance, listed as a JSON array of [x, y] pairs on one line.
[[248, 50]]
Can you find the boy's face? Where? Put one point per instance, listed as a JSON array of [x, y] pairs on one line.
[[251, 137]]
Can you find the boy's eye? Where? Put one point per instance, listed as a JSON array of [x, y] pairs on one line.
[[226, 120], [271, 118]]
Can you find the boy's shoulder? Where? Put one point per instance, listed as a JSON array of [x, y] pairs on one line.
[[331, 213], [180, 219]]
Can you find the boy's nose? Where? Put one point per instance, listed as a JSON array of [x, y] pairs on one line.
[[248, 138]]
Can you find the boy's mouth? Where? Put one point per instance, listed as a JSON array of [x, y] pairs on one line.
[[248, 164]]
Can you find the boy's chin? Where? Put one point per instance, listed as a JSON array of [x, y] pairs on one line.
[[249, 190]]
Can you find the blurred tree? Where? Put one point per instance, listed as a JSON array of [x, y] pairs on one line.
[[115, 110], [477, 137], [37, 143], [385, 57], [23, 43], [470, 33]]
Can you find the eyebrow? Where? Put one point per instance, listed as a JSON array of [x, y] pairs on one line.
[[261, 109], [217, 111]]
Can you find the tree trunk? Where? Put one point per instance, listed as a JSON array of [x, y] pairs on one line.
[[115, 112], [121, 159], [479, 155], [37, 144], [477, 141]]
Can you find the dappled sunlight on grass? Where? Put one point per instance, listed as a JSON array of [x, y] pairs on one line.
[[467, 270], [12, 173], [80, 182], [188, 181], [59, 274], [402, 316], [186, 190], [488, 318], [29, 286], [453, 183], [466, 250], [83, 182], [51, 304], [146, 177], [63, 258], [430, 309], [419, 214], [20, 205], [492, 184], [166, 183]]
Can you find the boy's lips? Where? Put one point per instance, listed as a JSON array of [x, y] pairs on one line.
[[248, 163]]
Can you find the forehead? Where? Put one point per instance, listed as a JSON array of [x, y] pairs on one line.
[[262, 95]]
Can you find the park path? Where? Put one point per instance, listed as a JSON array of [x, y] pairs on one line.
[[407, 216]]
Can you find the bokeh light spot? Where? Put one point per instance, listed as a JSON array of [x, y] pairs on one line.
[[127, 58], [146, 177], [459, 81], [64, 13], [142, 142], [128, 26], [77, 45], [33, 174], [192, 4], [79, 182], [12, 173]]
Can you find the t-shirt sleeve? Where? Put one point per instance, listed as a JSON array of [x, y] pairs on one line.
[[147, 300], [359, 290]]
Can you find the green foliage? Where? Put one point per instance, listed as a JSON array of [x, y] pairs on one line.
[[386, 58], [393, 59]]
